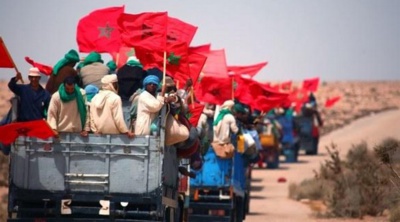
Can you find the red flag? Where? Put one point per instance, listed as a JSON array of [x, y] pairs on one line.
[[177, 59], [216, 64], [195, 111], [146, 30], [311, 84], [250, 70], [249, 91], [5, 58], [332, 101], [122, 55], [263, 103], [214, 90], [45, 69], [178, 30], [299, 97], [98, 31], [286, 86], [196, 64], [242, 89], [36, 128], [200, 48]]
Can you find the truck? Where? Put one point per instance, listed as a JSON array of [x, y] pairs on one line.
[[94, 178], [220, 190]]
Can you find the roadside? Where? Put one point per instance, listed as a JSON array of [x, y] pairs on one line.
[[269, 199]]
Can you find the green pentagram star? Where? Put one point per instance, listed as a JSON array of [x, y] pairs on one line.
[[106, 31], [173, 59]]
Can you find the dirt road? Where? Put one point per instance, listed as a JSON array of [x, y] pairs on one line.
[[269, 199]]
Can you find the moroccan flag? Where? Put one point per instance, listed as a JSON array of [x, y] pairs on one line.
[[45, 69], [332, 101], [200, 48], [196, 64], [98, 31], [146, 30], [286, 86], [272, 93], [214, 90], [176, 60], [181, 31], [195, 111], [122, 55], [299, 97], [5, 59], [263, 103], [250, 70], [36, 128], [216, 64], [242, 89], [311, 84]]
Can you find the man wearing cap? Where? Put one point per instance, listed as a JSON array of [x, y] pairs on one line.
[[149, 104], [63, 69], [106, 109], [93, 70], [67, 110], [34, 99]]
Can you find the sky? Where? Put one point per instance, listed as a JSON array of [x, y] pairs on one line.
[[334, 40]]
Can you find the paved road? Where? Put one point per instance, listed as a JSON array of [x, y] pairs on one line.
[[269, 199]]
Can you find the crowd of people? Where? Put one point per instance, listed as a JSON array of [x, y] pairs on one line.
[[87, 96]]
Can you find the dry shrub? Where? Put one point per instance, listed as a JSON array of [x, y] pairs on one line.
[[394, 214], [354, 187], [308, 189], [3, 208], [3, 183], [389, 154]]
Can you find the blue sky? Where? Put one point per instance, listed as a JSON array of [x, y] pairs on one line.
[[335, 40]]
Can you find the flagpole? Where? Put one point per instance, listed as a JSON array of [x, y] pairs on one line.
[[117, 59], [164, 67], [192, 96], [9, 56], [233, 92]]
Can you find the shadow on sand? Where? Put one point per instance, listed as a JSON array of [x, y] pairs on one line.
[[257, 188], [257, 197]]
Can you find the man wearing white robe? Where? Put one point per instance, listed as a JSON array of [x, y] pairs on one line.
[[225, 123], [149, 105], [106, 109]]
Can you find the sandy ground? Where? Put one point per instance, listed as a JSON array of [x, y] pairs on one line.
[[269, 199]]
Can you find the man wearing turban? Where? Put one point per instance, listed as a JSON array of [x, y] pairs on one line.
[[93, 70], [63, 69], [149, 105], [106, 109]]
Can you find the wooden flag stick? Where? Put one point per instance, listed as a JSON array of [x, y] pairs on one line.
[[233, 90], [192, 96], [9, 56], [117, 59], [164, 67]]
